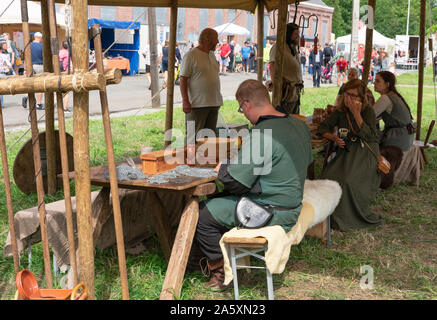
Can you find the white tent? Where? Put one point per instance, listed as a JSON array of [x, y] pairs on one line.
[[379, 40], [230, 29], [10, 13]]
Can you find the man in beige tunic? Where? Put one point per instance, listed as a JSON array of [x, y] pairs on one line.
[[200, 86]]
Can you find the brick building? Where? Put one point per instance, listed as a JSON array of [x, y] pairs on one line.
[[191, 21]]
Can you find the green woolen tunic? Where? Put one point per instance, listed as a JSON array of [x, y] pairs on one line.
[[281, 175], [355, 168]]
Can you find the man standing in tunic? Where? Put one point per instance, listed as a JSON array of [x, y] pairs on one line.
[[276, 181], [292, 82], [200, 86]]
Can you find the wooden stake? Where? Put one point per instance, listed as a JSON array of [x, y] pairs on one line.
[[369, 41], [112, 171], [180, 251], [36, 151], [49, 108], [260, 40], [151, 19], [170, 78], [63, 143], [280, 44], [81, 149], [421, 67], [7, 181]]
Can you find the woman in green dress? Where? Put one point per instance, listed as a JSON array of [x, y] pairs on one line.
[[355, 164]]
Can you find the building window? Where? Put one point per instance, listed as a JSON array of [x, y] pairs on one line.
[[232, 15], [324, 31], [218, 16], [161, 16], [180, 30], [203, 19], [139, 14], [108, 12], [249, 23]]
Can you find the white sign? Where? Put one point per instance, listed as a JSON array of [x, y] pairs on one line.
[[124, 36]]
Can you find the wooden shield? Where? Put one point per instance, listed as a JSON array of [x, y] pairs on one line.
[[24, 170]]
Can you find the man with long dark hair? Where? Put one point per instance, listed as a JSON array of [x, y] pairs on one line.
[[291, 71]]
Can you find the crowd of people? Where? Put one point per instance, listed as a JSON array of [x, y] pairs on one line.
[[352, 128]]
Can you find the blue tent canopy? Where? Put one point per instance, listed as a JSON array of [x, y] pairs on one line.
[[129, 51]]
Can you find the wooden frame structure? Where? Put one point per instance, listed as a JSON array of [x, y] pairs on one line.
[[85, 272]]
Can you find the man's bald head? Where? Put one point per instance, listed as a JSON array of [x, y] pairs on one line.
[[206, 35]]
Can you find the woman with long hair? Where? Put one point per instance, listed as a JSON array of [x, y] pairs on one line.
[[394, 111], [355, 164]]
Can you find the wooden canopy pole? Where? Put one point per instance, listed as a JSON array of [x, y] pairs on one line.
[[369, 41], [170, 79], [81, 148], [279, 57], [36, 151], [63, 142], [153, 46], [49, 108], [421, 67], [111, 166], [7, 181], [260, 40]]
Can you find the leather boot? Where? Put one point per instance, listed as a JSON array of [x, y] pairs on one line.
[[218, 276]]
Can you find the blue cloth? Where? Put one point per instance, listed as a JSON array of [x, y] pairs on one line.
[[317, 70], [245, 51], [36, 51]]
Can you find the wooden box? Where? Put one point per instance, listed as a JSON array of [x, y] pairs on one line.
[[158, 161]]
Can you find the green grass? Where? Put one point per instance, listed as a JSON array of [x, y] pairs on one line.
[[412, 78], [401, 252]]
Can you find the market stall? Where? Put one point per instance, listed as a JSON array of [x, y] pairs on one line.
[[123, 54]]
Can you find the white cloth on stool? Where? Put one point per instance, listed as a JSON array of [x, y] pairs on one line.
[[320, 199]]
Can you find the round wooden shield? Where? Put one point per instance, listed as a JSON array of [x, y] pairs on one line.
[[24, 170]]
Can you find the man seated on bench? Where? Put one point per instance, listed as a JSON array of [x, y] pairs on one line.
[[270, 169]]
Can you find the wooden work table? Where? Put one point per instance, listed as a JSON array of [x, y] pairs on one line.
[[177, 248]]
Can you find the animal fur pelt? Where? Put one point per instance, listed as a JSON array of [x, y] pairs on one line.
[[324, 196], [394, 155]]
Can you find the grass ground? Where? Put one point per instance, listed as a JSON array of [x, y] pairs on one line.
[[402, 253], [412, 78]]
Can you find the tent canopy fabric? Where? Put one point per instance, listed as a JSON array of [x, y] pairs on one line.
[[11, 13], [230, 29], [111, 24], [126, 50], [248, 5], [378, 39]]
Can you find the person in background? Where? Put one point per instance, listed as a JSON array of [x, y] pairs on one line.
[[5, 64], [200, 86], [327, 54], [164, 61], [266, 59], [36, 50], [303, 60], [231, 57], [377, 65], [394, 111], [434, 66], [352, 74], [225, 51], [385, 61], [355, 165], [146, 54], [245, 55], [292, 82], [316, 61], [13, 52], [253, 57], [64, 63], [341, 70]]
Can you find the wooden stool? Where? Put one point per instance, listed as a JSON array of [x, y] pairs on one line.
[[424, 144], [253, 245]]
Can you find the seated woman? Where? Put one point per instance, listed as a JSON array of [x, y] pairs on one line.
[[355, 165], [352, 75], [394, 111]]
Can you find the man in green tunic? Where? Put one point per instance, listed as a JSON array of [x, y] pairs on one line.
[[270, 169]]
